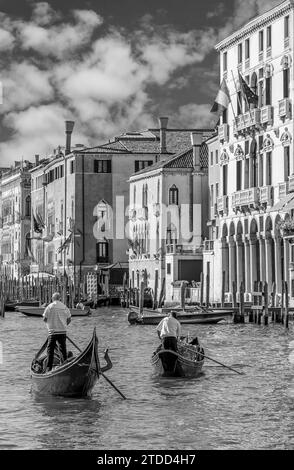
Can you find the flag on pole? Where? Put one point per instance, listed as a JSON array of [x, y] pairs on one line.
[[222, 100], [248, 94]]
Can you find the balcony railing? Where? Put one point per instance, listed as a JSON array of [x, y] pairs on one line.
[[247, 120], [286, 43], [176, 249], [266, 115], [283, 189], [285, 108], [223, 133], [245, 198], [222, 204], [260, 56], [269, 52], [266, 195]]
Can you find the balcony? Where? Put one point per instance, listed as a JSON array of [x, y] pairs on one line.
[[247, 64], [156, 209], [283, 189], [223, 133], [247, 120], [260, 56], [142, 213], [245, 199], [176, 249], [266, 195], [285, 108], [266, 115], [222, 205], [286, 43], [269, 52]]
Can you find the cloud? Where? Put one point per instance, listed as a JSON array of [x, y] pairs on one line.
[[6, 40], [196, 116]]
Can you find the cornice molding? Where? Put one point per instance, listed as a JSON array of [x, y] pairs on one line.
[[255, 24]]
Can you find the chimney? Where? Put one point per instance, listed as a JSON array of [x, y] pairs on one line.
[[69, 125], [37, 160], [162, 126], [196, 140]]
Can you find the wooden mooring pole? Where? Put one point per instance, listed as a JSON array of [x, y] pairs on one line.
[[240, 316], [201, 289], [223, 288], [286, 322], [265, 313]]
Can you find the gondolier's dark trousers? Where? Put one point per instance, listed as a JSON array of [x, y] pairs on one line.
[[170, 342], [52, 340]]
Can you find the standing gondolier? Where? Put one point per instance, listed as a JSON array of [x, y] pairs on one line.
[[57, 317], [169, 331]]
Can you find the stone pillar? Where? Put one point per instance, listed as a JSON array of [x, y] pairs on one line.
[[278, 265], [268, 261], [232, 264], [247, 266], [240, 261], [225, 262], [286, 261], [262, 268], [253, 261]]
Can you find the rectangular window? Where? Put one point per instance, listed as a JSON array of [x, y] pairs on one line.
[[268, 169], [225, 61], [261, 93], [72, 167], [239, 175], [268, 91], [239, 103], [61, 174], [286, 82], [246, 174], [246, 147], [261, 41], [141, 164], [286, 27], [269, 37], [168, 268], [216, 157], [240, 53], [225, 116], [247, 49], [211, 158], [286, 163], [102, 252], [260, 171], [102, 166], [211, 196]]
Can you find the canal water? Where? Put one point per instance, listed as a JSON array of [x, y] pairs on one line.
[[218, 410]]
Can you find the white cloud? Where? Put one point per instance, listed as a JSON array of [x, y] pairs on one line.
[[6, 40], [196, 116]]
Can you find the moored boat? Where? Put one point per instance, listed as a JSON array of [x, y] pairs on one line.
[[186, 362], [76, 377], [153, 317], [11, 305], [38, 311]]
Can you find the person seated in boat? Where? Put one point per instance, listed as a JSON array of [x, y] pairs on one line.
[[169, 331], [57, 317]]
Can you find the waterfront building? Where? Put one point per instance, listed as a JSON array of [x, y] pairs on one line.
[[15, 219], [80, 199], [168, 218], [255, 189]]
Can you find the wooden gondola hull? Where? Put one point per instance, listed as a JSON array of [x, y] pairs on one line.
[[192, 318], [38, 311], [10, 305], [73, 379], [168, 363]]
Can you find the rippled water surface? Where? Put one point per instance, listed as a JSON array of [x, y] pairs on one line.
[[218, 410]]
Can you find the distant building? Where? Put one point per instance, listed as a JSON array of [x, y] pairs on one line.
[[80, 200], [256, 187], [168, 217], [15, 219]]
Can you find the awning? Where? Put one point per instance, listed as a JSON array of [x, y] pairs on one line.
[[283, 204]]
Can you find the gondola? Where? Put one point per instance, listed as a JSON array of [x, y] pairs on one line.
[[38, 311], [186, 362], [11, 305], [76, 377], [196, 317]]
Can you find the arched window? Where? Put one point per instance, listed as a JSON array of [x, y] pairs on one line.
[[145, 196], [28, 206], [174, 195]]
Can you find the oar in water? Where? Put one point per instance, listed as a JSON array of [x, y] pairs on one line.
[[99, 371], [217, 362]]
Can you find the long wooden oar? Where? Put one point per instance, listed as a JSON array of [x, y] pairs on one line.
[[99, 371]]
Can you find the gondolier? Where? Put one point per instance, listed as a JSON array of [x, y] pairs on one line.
[[57, 317], [169, 331]]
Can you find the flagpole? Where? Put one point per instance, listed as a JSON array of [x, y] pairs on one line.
[[240, 104]]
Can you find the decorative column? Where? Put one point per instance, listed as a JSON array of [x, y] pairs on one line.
[[225, 261], [286, 261], [232, 263], [278, 265], [268, 261], [262, 267], [253, 270], [247, 265]]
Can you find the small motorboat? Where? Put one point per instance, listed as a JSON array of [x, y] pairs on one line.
[[11, 305], [38, 311], [187, 361], [192, 317], [75, 377]]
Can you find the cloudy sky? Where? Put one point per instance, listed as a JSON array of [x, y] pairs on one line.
[[110, 65]]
